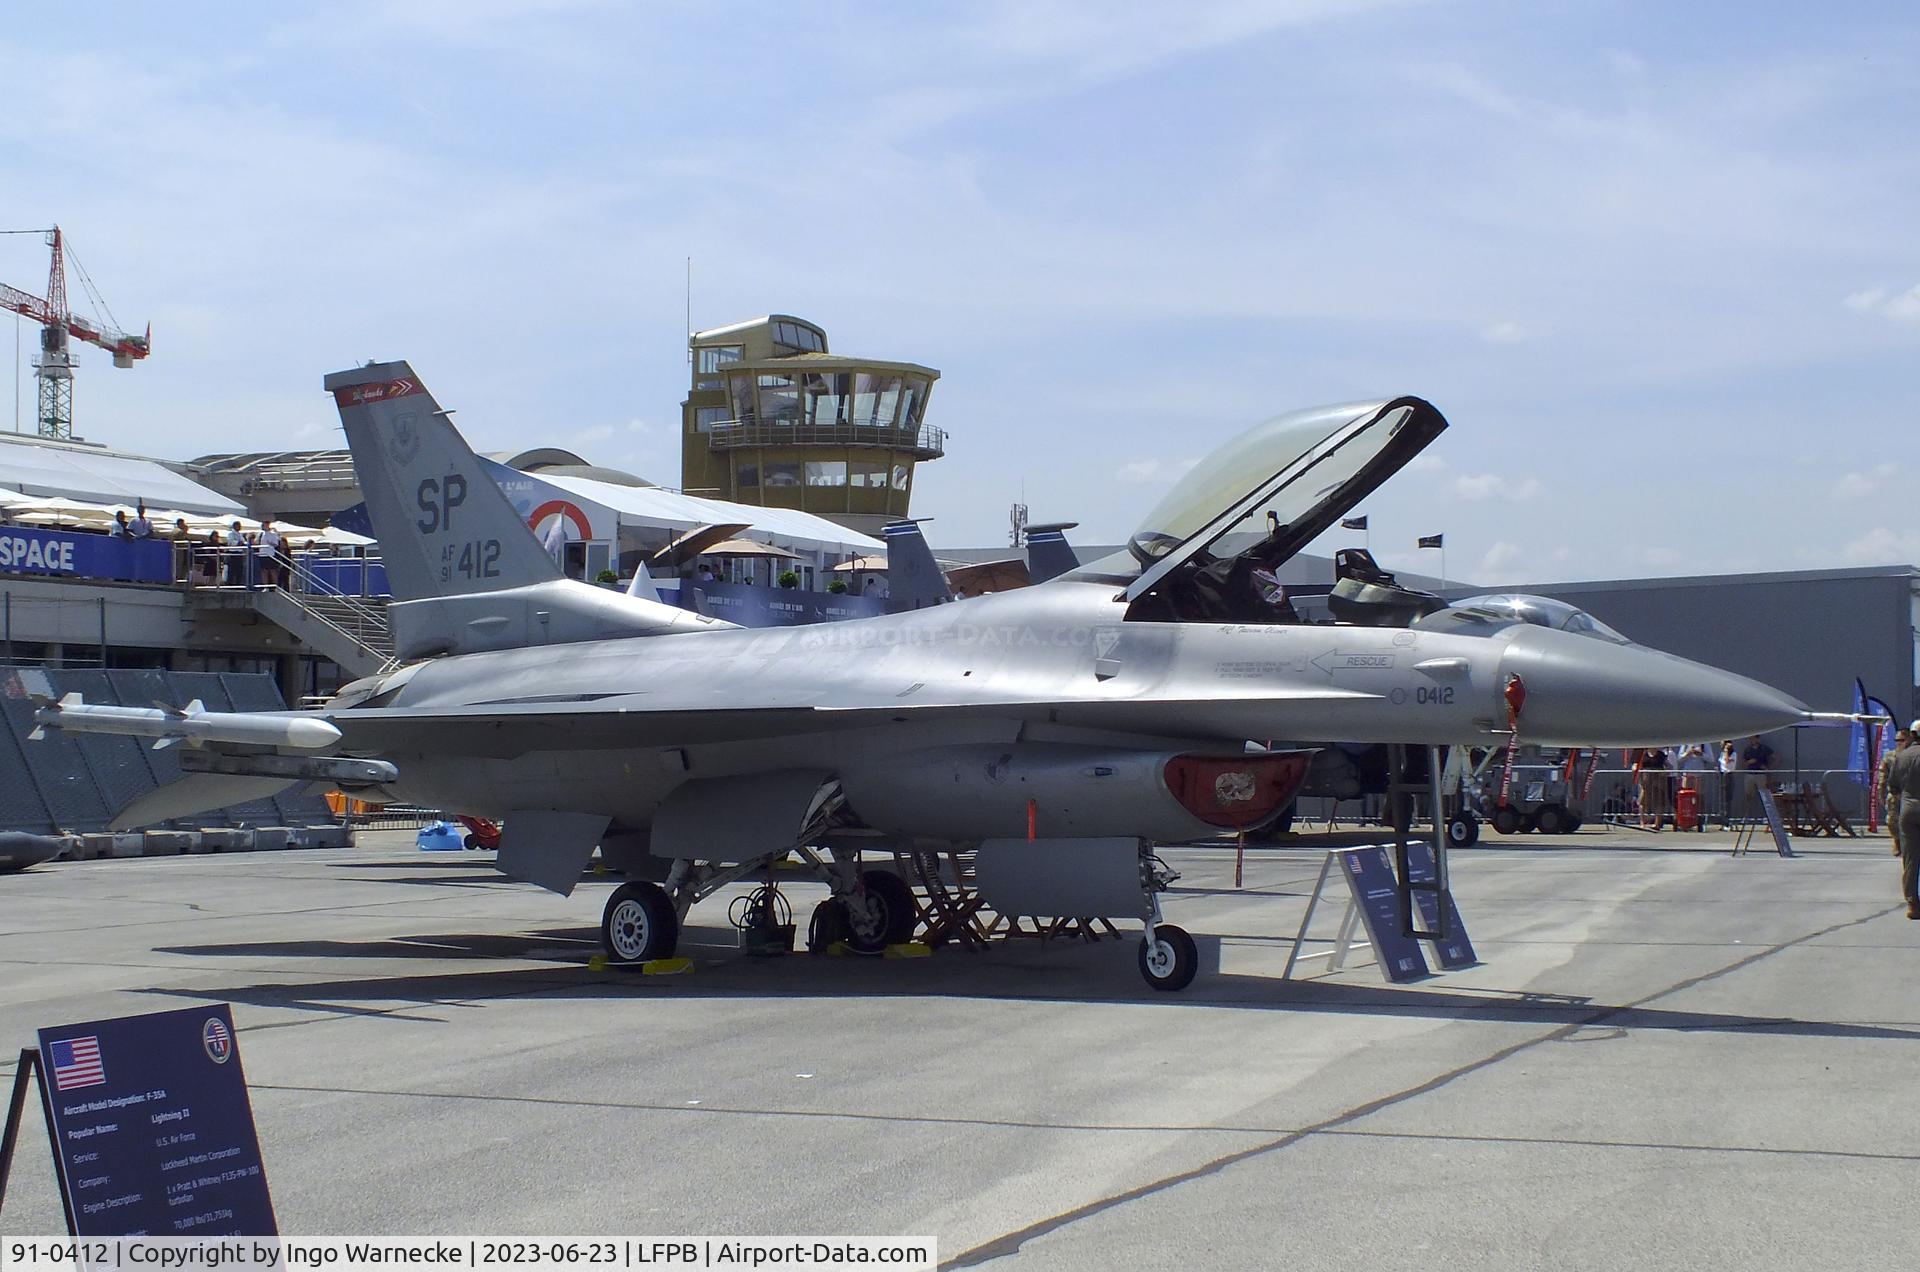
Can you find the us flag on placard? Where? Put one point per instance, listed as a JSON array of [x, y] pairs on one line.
[[76, 1063]]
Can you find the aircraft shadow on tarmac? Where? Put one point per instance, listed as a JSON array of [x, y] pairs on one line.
[[1060, 971]]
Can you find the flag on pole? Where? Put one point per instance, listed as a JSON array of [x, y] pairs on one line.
[[1353, 523], [1433, 540], [1858, 746]]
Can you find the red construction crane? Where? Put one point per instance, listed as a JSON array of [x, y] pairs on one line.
[[54, 367]]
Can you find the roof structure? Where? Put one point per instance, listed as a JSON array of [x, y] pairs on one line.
[[671, 510], [35, 466]]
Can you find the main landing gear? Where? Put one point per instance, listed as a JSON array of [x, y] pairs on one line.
[[879, 913], [640, 923], [868, 911]]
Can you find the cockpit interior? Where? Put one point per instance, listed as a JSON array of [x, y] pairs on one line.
[[1213, 548]]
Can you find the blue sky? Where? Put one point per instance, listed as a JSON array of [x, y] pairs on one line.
[[1657, 263]]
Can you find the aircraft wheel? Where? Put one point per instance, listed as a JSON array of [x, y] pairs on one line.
[[1552, 819], [1463, 831], [882, 913], [1168, 959], [639, 923], [828, 925], [1507, 820]]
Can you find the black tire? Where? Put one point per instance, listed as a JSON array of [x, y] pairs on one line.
[[1168, 960], [883, 913], [1507, 820], [471, 843], [1463, 831], [639, 924], [1552, 819], [828, 926]]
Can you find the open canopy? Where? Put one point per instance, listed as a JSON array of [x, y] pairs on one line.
[[1266, 494]]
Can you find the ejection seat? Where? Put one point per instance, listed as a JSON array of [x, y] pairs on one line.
[[1367, 596]]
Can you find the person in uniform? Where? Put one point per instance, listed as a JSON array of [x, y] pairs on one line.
[[1890, 798], [1903, 775]]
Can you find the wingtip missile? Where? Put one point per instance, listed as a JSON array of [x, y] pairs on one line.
[[192, 724]]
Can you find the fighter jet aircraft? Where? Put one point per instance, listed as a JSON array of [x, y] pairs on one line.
[[1061, 730]]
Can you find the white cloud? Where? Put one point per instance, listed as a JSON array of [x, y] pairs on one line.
[[1152, 472], [1501, 560], [1884, 302], [1505, 333], [1865, 484], [1475, 487], [1881, 546]]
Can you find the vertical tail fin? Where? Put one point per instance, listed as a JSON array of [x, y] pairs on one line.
[[445, 528], [914, 580], [1049, 555]]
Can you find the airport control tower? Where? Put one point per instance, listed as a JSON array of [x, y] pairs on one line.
[[773, 418]]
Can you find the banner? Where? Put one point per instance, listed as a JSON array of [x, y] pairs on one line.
[[82, 555], [1858, 757]]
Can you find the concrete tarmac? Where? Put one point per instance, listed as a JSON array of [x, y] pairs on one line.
[[1670, 1057]]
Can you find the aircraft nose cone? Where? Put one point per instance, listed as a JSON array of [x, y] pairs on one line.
[[1587, 692]]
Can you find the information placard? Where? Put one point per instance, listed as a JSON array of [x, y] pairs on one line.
[[1456, 951], [1376, 894], [1778, 828], [152, 1129]]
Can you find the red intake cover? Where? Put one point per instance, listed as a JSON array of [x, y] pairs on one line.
[[1236, 792]]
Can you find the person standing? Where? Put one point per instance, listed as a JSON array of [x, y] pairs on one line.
[[268, 545], [1756, 761], [208, 560], [239, 557], [141, 527], [1904, 776], [1729, 765], [1651, 776], [1889, 797]]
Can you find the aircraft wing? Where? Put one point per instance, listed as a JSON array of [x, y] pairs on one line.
[[505, 730]]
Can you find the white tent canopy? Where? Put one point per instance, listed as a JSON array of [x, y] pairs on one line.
[[34, 466], [670, 510]]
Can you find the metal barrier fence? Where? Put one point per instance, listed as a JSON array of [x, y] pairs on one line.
[[1725, 798], [390, 816]]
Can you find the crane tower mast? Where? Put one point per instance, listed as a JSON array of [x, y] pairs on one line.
[[53, 369]]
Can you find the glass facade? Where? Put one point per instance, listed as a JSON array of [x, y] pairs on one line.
[[826, 472], [876, 399], [828, 402], [829, 399], [793, 337], [713, 359], [779, 400]]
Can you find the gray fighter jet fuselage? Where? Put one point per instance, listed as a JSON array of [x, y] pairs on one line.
[[1089, 717]]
